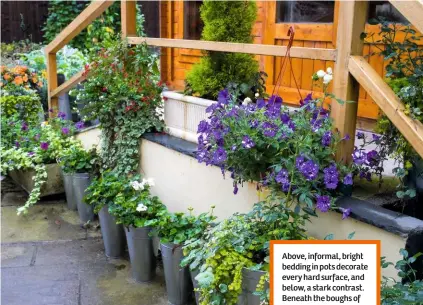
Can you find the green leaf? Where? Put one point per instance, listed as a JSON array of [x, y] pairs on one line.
[[351, 235]]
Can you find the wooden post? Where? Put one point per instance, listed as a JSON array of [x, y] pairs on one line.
[[53, 101], [352, 19], [129, 18]]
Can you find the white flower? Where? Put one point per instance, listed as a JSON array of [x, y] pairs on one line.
[[257, 94], [321, 73], [137, 186], [149, 181], [327, 78], [44, 124], [246, 101], [141, 208], [329, 70]]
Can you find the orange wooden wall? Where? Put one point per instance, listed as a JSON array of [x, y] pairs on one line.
[[176, 62]]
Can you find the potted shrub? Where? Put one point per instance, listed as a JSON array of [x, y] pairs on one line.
[[29, 153], [138, 211], [174, 229], [78, 167], [101, 196], [233, 257]]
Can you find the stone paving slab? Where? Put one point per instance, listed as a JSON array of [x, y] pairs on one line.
[[17, 255]]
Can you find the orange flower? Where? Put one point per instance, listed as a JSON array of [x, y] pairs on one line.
[[25, 78], [7, 76], [2, 69], [18, 80], [20, 69], [34, 79], [40, 84]]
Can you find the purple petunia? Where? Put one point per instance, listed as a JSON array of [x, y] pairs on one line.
[[269, 129], [44, 145], [254, 124], [247, 142], [348, 179], [307, 100], [285, 118], [24, 126], [31, 153], [65, 130], [375, 137], [212, 107], [327, 138], [360, 135], [345, 212], [346, 137], [223, 97], [331, 177], [61, 115], [359, 157], [203, 126], [219, 156], [309, 169], [17, 144], [373, 158], [79, 125], [282, 177], [261, 103], [323, 203], [273, 107], [235, 188], [299, 161]]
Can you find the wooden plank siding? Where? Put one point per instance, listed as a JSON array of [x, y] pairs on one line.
[[266, 31]]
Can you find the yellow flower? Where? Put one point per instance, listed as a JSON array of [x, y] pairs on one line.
[[110, 30]]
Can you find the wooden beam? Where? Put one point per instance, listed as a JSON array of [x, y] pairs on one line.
[[387, 100], [128, 10], [412, 10], [352, 16], [249, 48], [95, 9], [53, 102], [69, 84]]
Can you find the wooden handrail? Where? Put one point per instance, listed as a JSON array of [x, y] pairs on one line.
[[88, 15], [69, 84], [249, 48], [412, 10], [388, 101]]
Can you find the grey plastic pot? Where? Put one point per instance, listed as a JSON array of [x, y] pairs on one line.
[[70, 196], [141, 253], [113, 234], [250, 280], [178, 281], [80, 182], [194, 273]]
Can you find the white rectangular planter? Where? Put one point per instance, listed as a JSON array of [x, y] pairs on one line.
[[183, 113], [53, 185]]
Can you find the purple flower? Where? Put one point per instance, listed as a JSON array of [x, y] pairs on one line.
[[360, 135], [359, 157], [299, 161], [223, 96], [232, 113], [373, 158], [79, 125], [346, 137], [247, 142], [309, 169], [282, 177], [269, 178], [61, 115], [233, 148], [269, 129], [307, 100], [203, 127], [260, 103], [331, 177], [31, 153], [285, 187], [212, 107], [51, 110], [366, 175], [348, 179], [65, 130], [327, 138], [219, 156], [345, 212], [17, 144], [285, 118], [375, 137], [24, 126], [323, 203], [235, 188], [44, 145], [291, 125], [254, 123], [275, 102]]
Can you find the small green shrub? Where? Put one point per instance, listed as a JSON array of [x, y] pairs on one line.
[[27, 107], [230, 21]]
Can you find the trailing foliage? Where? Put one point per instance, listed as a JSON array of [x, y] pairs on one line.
[[101, 30], [292, 152], [77, 160], [177, 228], [230, 21], [123, 92]]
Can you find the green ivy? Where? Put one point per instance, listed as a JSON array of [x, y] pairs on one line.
[[230, 21], [77, 160]]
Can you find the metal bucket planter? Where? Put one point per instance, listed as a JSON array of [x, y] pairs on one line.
[[250, 280], [141, 253], [80, 182], [194, 273], [53, 185], [113, 234], [70, 196], [178, 282]]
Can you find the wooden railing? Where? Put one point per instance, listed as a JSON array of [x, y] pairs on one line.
[[350, 69]]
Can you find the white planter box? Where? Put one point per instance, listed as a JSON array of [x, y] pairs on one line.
[[183, 113]]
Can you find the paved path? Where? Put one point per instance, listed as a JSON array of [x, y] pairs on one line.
[[48, 258]]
